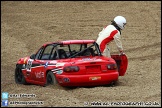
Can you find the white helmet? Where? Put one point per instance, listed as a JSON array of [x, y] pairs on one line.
[[120, 21]]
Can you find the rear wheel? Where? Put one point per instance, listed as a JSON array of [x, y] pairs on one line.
[[19, 77], [50, 79], [113, 83]]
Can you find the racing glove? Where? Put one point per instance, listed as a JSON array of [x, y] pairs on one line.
[[122, 53]]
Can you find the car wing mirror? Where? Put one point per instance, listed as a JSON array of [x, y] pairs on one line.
[[32, 56]]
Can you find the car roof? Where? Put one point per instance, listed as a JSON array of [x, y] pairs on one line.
[[65, 42]]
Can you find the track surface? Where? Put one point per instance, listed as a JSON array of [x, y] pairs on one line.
[[25, 26]]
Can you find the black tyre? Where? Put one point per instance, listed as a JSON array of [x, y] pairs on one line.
[[113, 83], [19, 77], [50, 79]]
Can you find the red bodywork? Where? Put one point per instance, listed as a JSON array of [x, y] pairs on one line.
[[92, 71]]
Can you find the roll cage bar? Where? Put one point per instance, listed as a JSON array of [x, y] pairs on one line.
[[55, 45]]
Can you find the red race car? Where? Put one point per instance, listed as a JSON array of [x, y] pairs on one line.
[[70, 63]]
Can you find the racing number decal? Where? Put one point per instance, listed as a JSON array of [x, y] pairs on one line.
[[28, 65]]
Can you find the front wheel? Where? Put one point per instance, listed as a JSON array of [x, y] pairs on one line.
[[50, 79], [19, 77]]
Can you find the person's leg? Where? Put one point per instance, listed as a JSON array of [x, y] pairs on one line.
[[106, 52], [109, 55]]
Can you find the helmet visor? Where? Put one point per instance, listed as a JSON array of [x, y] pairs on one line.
[[124, 24]]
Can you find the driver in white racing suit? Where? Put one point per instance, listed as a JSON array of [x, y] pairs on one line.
[[109, 33]]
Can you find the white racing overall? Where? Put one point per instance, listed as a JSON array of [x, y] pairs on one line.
[[108, 34]]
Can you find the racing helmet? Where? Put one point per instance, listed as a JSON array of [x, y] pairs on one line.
[[120, 21]]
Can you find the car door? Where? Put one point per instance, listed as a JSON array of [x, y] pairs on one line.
[[33, 65], [37, 66], [40, 62], [122, 63]]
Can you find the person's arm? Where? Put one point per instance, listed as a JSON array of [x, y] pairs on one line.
[[101, 32], [118, 42]]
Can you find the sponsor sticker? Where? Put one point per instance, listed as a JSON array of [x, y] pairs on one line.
[[53, 62], [66, 79], [88, 59], [95, 78], [23, 66], [59, 72], [25, 60], [39, 74], [60, 64], [46, 64]]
